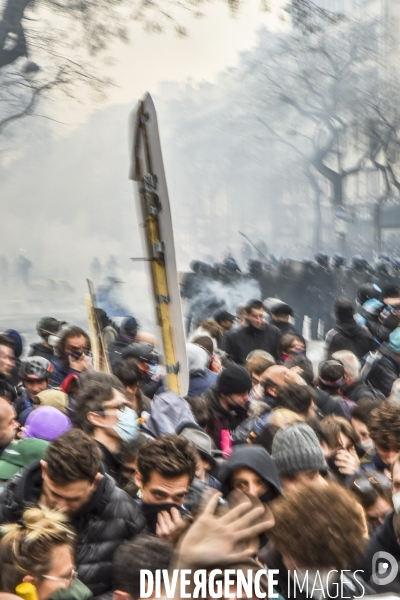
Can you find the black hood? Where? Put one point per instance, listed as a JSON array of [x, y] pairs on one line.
[[250, 457]]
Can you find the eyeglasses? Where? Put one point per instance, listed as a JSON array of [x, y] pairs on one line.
[[67, 580], [111, 410], [77, 352]]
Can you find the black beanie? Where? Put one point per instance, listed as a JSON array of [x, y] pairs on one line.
[[234, 380]]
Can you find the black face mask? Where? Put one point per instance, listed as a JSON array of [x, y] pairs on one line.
[[269, 495], [150, 512]]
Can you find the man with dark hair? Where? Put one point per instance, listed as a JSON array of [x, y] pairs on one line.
[[71, 479], [297, 398], [73, 355], [258, 335], [347, 333], [7, 362], [166, 467], [145, 552], [105, 414], [35, 373], [280, 313], [384, 430], [229, 400]]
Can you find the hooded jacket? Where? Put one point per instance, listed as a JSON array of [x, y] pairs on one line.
[[223, 419], [40, 349], [385, 371], [255, 458], [349, 336], [167, 411], [109, 518], [238, 344]]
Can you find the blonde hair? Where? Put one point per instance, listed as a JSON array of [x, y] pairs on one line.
[[26, 547], [282, 417]]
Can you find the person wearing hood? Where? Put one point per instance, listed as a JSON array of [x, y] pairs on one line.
[[347, 333], [71, 480], [251, 470], [384, 369], [200, 376], [167, 411], [48, 330], [204, 446], [229, 400], [258, 335]]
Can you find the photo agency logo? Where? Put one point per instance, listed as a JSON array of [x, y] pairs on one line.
[[385, 568]]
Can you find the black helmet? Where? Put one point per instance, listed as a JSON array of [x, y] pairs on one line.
[[383, 256], [35, 367], [358, 263], [382, 266], [368, 291], [48, 325], [322, 259], [338, 260], [141, 351]]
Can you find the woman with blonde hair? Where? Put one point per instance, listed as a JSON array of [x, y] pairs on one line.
[[39, 550]]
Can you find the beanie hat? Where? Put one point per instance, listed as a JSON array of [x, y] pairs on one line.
[[19, 455], [234, 380], [394, 340], [46, 423], [16, 340], [296, 448]]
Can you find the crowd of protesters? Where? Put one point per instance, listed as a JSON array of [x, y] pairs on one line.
[[266, 463]]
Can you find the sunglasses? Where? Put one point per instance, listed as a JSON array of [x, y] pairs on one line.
[[77, 353]]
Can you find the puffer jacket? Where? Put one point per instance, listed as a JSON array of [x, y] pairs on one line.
[[109, 518]]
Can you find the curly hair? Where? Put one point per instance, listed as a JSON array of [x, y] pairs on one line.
[[26, 547], [69, 333], [169, 455], [384, 426], [319, 526]]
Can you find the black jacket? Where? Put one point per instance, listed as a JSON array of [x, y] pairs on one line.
[[238, 344], [380, 327], [223, 419], [7, 391], [41, 350], [108, 519], [327, 405], [383, 540], [385, 371], [286, 327], [349, 336], [357, 390]]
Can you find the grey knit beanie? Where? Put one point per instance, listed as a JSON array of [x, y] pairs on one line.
[[296, 448]]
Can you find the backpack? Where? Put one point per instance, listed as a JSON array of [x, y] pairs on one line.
[[370, 362]]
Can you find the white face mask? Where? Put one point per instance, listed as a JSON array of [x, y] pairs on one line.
[[367, 445], [53, 340], [396, 502]]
